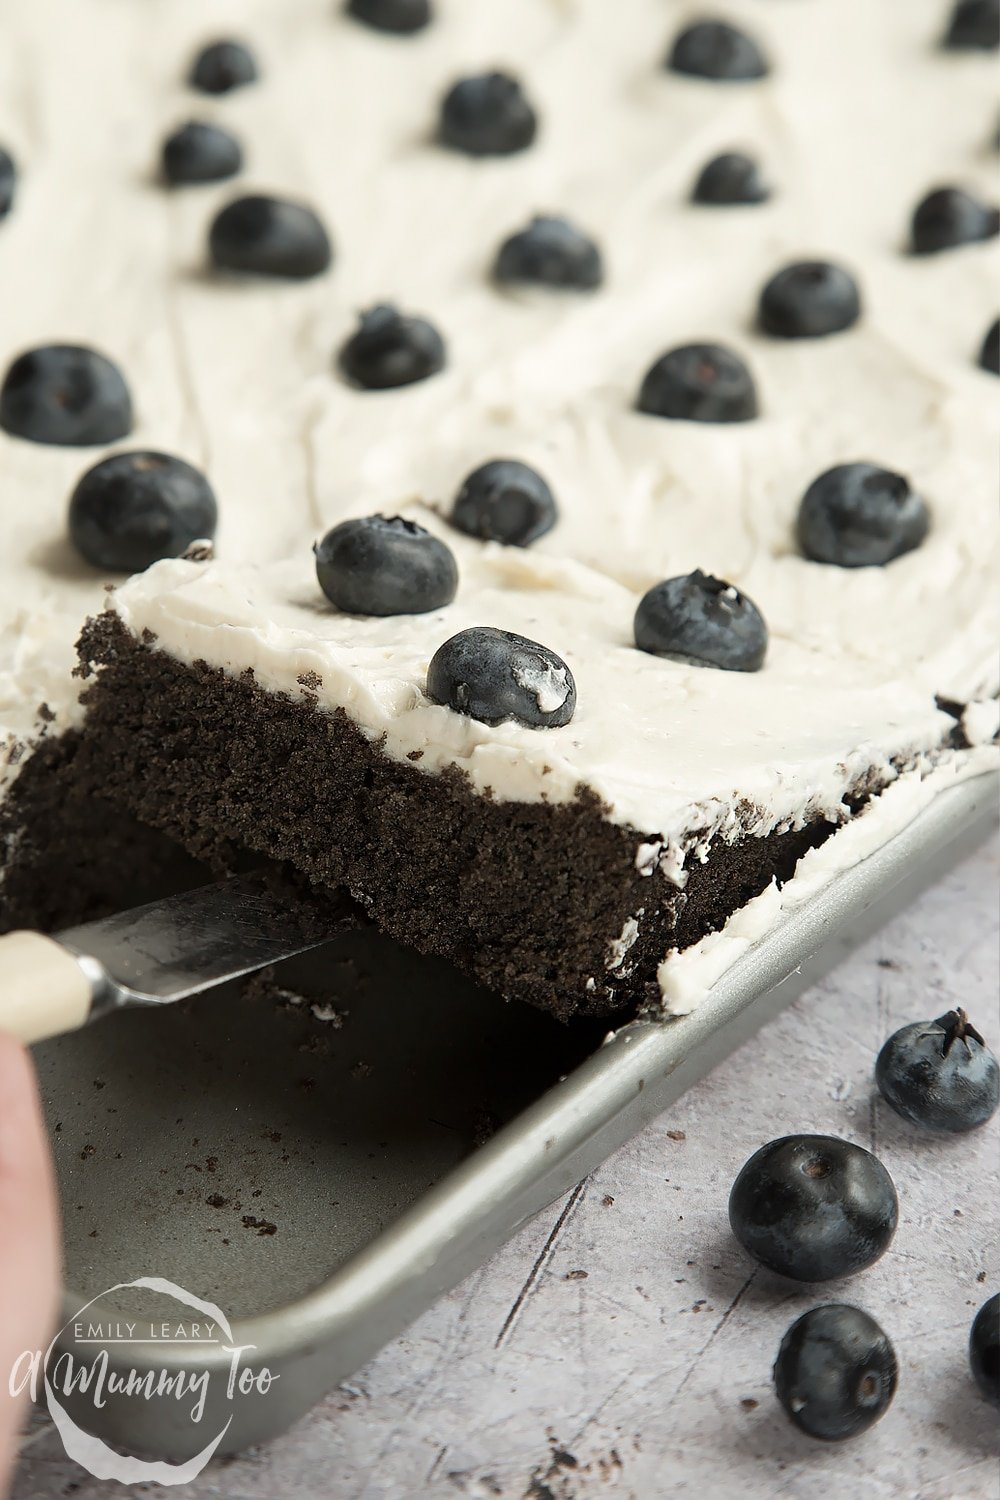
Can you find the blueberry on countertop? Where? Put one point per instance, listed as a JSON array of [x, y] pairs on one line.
[[836, 1372], [391, 349], [984, 1349], [65, 394], [939, 1074], [488, 115], [8, 182], [385, 565], [860, 516], [702, 621], [808, 300], [974, 26], [401, 17], [132, 509], [699, 383], [505, 501], [813, 1207], [730, 179], [493, 675], [222, 66], [200, 152], [949, 217], [716, 50], [263, 236], [989, 354], [550, 252]]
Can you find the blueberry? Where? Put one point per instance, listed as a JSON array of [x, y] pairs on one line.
[[989, 354], [836, 1372], [385, 565], [808, 300], [813, 1207], [199, 152], [132, 509], [860, 516], [391, 349], [488, 115], [494, 675], [974, 25], [269, 237], [505, 501], [67, 395], [949, 217], [8, 182], [222, 66], [729, 179], [984, 1349], [716, 50], [700, 620], [939, 1074], [550, 252], [699, 383], [402, 17]]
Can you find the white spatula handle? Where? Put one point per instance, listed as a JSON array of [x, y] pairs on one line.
[[43, 989]]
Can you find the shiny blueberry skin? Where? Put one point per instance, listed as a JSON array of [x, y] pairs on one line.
[[505, 501], [493, 676], [132, 509], [699, 383], [729, 180], [551, 252], [223, 66], [200, 152], [391, 349], [989, 354], [702, 621], [949, 217], [260, 236], [8, 182], [939, 1074], [809, 300], [401, 17], [385, 565], [860, 516], [836, 1372], [716, 50], [488, 115], [67, 395], [974, 26], [984, 1349]]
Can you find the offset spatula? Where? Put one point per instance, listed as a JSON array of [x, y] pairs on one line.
[[154, 955]]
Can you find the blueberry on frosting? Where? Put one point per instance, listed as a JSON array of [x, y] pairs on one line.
[[859, 516], [385, 565], [200, 152], [223, 66], [699, 383], [132, 509], [263, 236], [488, 115], [731, 178], [974, 26], [550, 252], [494, 675], [391, 349], [717, 50], [402, 17], [67, 395], [8, 182], [505, 501], [948, 217], [809, 300], [702, 621], [989, 354]]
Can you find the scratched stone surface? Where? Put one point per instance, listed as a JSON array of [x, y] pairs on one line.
[[621, 1344]]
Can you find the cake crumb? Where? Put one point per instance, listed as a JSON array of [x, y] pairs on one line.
[[262, 1226], [576, 1275], [676, 1135], [749, 1404], [216, 1200], [607, 1200], [310, 680]]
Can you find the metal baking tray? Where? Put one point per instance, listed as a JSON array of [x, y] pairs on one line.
[[323, 1181]]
